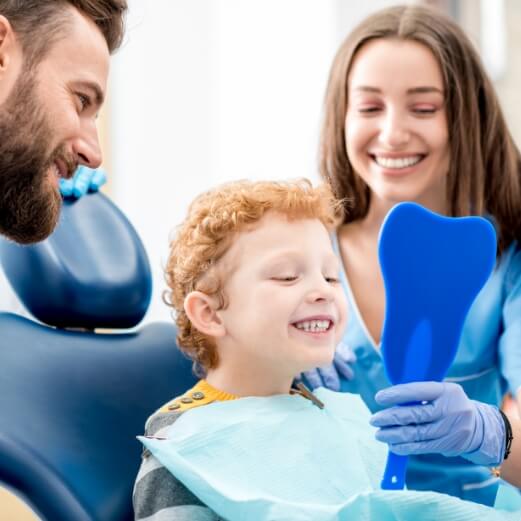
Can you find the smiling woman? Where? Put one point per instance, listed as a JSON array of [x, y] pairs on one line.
[[410, 115], [397, 140]]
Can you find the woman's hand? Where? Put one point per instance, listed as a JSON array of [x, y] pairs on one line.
[[330, 375], [439, 418]]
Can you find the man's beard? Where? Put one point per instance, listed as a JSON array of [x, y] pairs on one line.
[[30, 202]]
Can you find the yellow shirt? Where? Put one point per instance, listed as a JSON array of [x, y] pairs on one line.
[[201, 394]]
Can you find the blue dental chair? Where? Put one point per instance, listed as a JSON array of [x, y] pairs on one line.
[[72, 399]]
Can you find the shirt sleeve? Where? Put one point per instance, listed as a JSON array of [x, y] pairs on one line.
[[510, 338], [158, 495]]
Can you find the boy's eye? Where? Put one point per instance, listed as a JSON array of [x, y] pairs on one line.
[[332, 280], [288, 278]]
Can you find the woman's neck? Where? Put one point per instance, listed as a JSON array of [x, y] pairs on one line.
[[379, 208]]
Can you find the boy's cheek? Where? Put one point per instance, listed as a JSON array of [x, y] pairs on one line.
[[344, 316]]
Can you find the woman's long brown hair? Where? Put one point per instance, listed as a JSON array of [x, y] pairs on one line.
[[484, 176]]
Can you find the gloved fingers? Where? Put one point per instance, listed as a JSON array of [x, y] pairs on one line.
[[312, 379], [330, 377], [425, 433], [345, 354], [99, 178], [344, 357], [66, 186], [407, 415], [442, 445], [407, 449], [82, 179], [344, 369], [411, 392]]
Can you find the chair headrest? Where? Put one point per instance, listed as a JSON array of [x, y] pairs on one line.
[[92, 272]]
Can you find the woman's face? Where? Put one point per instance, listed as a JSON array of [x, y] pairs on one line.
[[396, 123]]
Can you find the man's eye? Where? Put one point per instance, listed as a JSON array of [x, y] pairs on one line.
[[84, 101]]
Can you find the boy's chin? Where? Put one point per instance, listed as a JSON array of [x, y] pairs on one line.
[[318, 361]]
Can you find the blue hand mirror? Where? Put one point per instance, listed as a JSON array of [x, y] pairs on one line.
[[433, 268]]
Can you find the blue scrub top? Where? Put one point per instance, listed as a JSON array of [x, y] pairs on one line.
[[488, 362]]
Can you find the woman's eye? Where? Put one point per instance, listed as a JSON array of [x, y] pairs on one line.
[[424, 110], [368, 109]]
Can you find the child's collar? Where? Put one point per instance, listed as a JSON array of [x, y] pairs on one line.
[[204, 393]]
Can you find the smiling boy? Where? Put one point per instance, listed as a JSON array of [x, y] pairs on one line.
[[254, 283]]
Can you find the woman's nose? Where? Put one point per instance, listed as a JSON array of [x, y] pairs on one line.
[[393, 131]]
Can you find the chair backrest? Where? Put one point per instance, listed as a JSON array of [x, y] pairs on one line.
[[72, 402]]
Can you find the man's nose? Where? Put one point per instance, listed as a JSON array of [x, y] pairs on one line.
[[393, 131], [86, 146]]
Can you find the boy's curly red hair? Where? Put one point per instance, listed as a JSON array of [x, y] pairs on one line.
[[213, 219]]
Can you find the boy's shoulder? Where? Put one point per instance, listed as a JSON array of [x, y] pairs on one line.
[[192, 398], [170, 411]]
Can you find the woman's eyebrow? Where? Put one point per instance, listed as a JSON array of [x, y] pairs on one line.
[[367, 88], [412, 90], [423, 90]]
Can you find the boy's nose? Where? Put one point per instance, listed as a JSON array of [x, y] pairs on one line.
[[321, 291]]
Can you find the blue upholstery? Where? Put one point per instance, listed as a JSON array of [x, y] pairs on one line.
[[92, 272], [72, 402]]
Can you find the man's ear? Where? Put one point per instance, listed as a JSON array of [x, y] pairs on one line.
[[201, 309], [7, 40]]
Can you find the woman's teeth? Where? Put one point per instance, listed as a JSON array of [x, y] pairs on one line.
[[314, 326], [397, 163]]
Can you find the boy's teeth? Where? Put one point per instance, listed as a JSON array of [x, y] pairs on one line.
[[313, 325], [401, 162]]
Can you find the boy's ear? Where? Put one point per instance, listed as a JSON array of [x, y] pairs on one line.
[[201, 310]]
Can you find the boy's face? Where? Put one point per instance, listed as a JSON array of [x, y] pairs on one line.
[[286, 308]]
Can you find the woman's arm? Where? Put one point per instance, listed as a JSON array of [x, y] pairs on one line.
[[511, 467]]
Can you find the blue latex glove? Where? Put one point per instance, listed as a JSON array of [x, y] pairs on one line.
[[445, 421], [329, 376], [85, 180]]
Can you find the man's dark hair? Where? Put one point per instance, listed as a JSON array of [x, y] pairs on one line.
[[39, 23]]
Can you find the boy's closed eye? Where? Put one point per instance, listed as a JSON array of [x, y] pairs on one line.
[[332, 279], [284, 278]]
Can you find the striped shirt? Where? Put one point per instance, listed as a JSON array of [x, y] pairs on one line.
[[158, 494]]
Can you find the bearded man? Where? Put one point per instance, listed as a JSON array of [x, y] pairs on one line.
[[54, 62]]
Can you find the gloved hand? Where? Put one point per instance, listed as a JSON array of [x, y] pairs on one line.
[[445, 421], [85, 180], [329, 376]]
